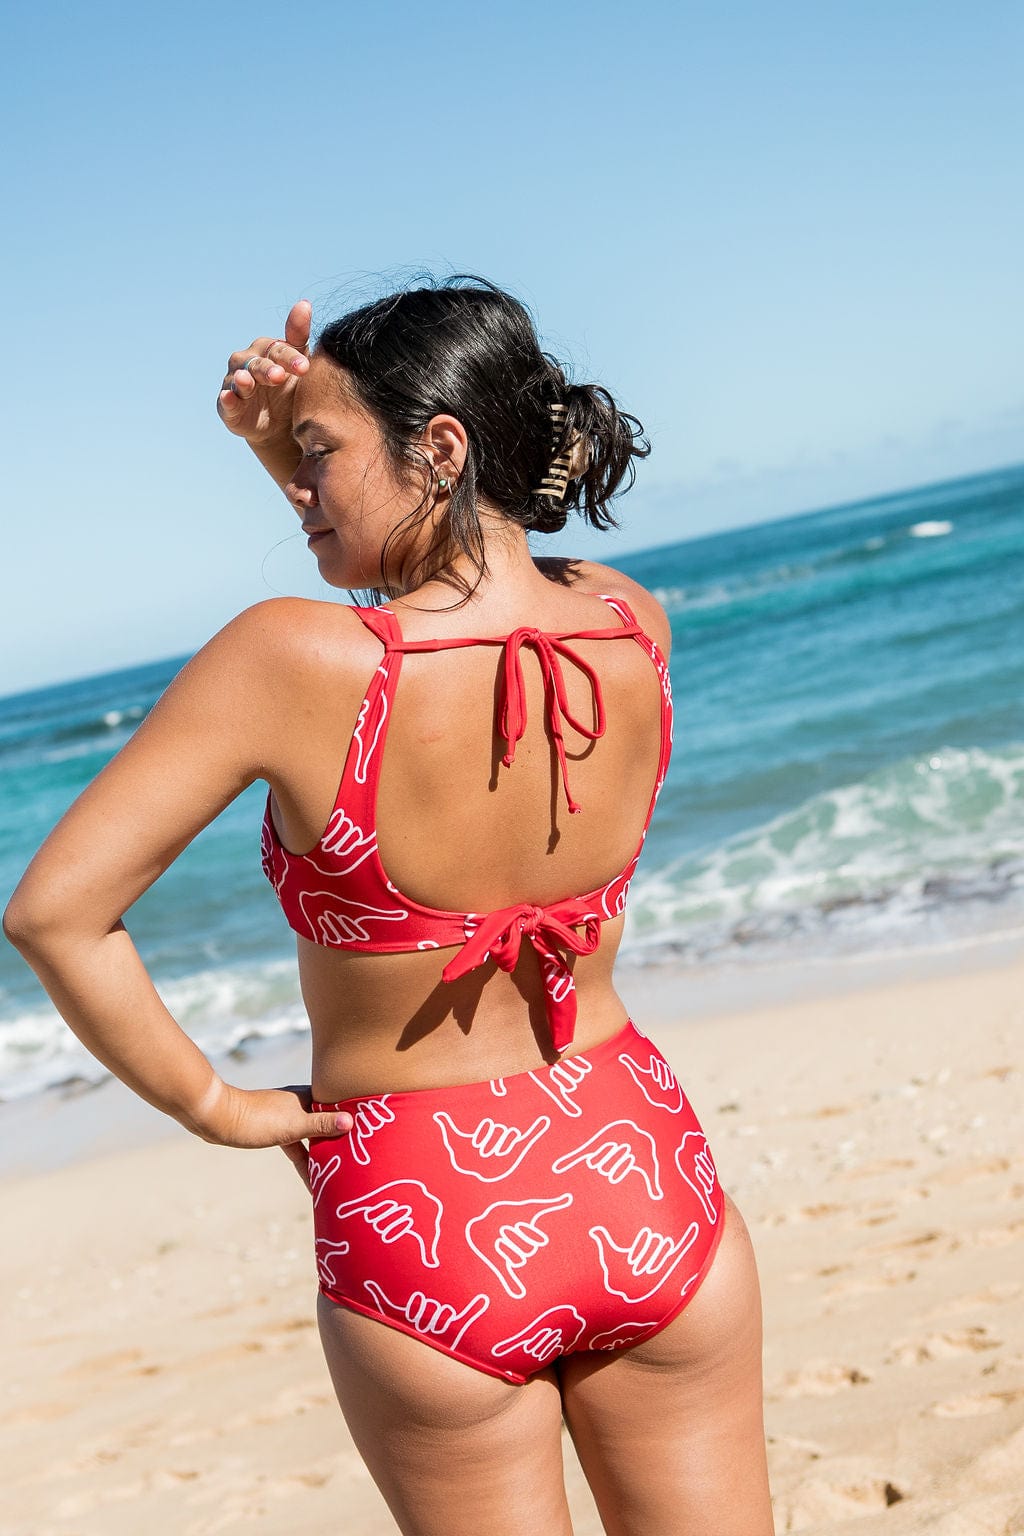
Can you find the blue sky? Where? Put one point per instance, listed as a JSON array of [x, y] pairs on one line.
[[788, 237]]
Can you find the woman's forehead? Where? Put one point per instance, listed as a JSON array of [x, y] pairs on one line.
[[323, 392]]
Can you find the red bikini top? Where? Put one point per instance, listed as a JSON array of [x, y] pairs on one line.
[[338, 894]]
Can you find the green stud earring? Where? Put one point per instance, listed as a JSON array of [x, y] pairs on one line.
[[442, 484]]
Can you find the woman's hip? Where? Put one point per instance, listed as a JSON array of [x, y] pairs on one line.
[[575, 1206]]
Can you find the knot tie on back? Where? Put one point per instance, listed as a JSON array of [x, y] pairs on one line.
[[551, 930], [556, 700]]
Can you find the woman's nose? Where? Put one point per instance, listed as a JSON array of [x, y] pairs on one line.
[[301, 496]]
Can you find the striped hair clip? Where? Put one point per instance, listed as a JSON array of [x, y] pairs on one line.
[[569, 464]]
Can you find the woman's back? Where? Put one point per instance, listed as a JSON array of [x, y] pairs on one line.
[[458, 830]]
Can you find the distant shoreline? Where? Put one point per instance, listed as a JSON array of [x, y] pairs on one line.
[[623, 559]]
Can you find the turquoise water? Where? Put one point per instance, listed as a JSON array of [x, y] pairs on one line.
[[848, 772]]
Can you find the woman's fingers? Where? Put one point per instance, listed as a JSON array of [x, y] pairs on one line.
[[263, 370], [329, 1123], [276, 364], [297, 325], [243, 380], [270, 360], [303, 1121], [297, 1154], [234, 399], [272, 1117], [256, 369], [254, 397], [309, 1122], [322, 1122], [258, 348]]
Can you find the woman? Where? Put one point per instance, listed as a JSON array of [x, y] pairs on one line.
[[524, 1221]]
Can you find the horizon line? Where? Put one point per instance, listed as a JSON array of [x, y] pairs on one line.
[[645, 549]]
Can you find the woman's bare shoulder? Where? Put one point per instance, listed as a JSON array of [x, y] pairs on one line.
[[270, 662], [591, 577], [279, 620], [290, 632]]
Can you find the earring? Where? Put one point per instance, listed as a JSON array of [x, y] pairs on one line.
[[446, 484]]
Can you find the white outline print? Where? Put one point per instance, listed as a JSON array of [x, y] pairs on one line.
[[491, 1140], [566, 1077], [623, 1334], [375, 696], [392, 1219], [497, 1087], [319, 1173], [690, 1282], [340, 921], [346, 838], [325, 1252], [544, 1337], [702, 1165], [558, 982], [614, 907], [272, 854], [649, 1253], [428, 1316], [516, 1241], [370, 1115], [614, 1159], [662, 1079]]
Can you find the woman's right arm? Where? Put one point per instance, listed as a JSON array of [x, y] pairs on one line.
[[235, 713], [255, 402]]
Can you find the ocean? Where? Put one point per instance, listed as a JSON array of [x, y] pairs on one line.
[[847, 777]]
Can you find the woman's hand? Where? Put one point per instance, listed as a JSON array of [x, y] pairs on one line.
[[270, 1117], [231, 716], [255, 400]]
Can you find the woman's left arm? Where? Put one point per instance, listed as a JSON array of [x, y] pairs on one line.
[[222, 723]]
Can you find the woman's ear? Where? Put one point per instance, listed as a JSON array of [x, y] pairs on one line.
[[444, 443]]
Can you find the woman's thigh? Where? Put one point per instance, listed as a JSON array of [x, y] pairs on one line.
[[670, 1434], [452, 1449]]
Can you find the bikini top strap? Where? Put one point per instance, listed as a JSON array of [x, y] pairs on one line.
[[382, 623], [660, 663], [358, 789], [362, 766], [622, 608]]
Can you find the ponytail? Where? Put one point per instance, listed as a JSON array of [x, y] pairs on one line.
[[601, 443]]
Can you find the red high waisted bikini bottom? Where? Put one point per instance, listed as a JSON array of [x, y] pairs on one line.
[[509, 1222]]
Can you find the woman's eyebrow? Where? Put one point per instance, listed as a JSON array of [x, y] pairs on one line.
[[310, 423]]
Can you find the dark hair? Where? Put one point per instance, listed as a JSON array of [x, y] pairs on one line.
[[460, 346]]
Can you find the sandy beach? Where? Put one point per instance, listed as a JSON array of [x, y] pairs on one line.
[[162, 1371]]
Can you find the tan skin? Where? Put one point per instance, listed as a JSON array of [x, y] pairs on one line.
[[670, 1433]]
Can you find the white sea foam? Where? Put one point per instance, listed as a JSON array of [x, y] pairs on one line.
[[927, 847], [924, 852], [68, 754], [221, 1009], [717, 593], [115, 717]]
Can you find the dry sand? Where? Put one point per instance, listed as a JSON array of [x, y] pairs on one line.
[[162, 1372]]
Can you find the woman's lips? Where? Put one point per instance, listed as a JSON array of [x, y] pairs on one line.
[[317, 535]]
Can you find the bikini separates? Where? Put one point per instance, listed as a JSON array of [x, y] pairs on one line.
[[509, 1222]]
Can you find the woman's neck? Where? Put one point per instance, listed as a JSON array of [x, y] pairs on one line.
[[509, 578]]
